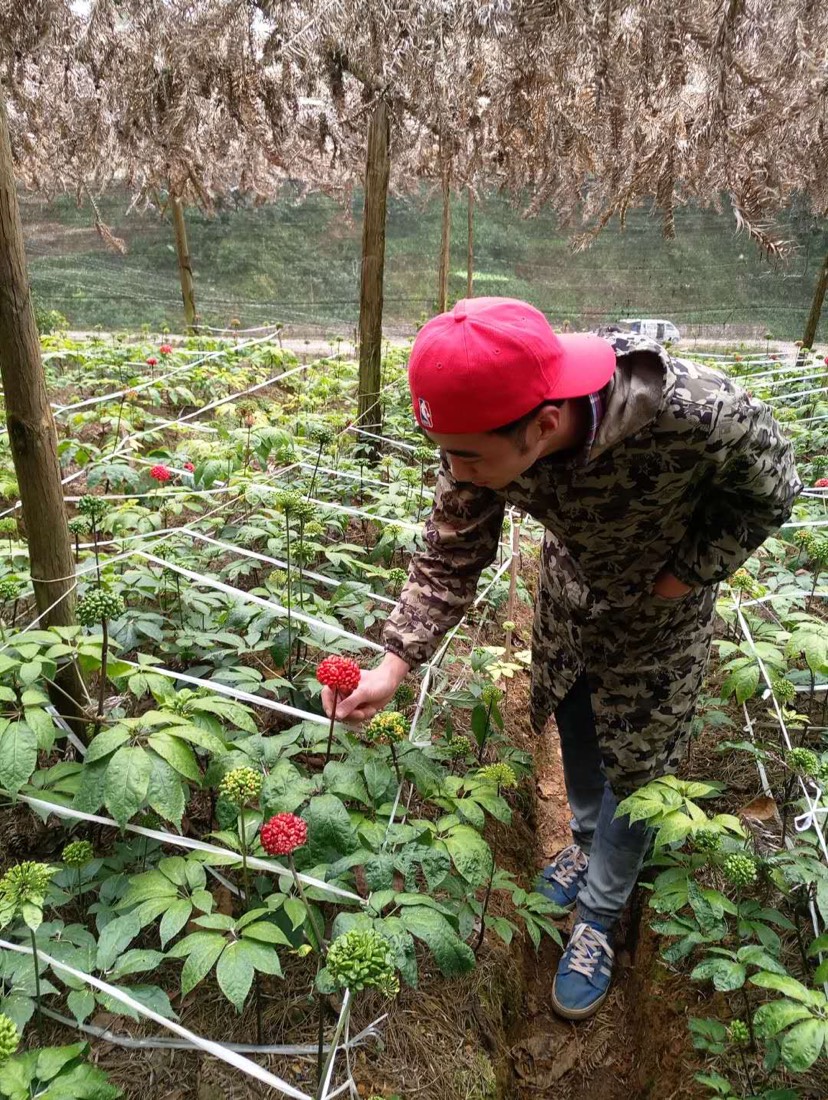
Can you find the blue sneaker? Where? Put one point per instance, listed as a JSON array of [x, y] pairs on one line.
[[563, 878], [584, 973]]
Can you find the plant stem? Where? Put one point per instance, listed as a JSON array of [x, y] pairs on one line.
[[102, 688], [243, 849], [320, 1044], [118, 425], [95, 546], [749, 1022], [317, 935], [487, 896], [36, 977], [813, 589], [316, 467], [485, 736], [396, 762], [287, 593], [331, 728]]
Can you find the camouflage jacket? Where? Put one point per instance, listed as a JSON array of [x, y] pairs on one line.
[[686, 472]]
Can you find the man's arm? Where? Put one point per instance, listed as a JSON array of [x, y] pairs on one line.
[[461, 537], [750, 492]]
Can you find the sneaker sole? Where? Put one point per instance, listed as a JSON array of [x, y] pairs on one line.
[[576, 1013]]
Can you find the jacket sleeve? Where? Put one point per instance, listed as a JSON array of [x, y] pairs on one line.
[[749, 491], [461, 537]]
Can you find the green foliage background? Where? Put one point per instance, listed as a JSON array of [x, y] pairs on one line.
[[297, 261]]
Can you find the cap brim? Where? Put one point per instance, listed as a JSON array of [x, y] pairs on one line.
[[588, 364]]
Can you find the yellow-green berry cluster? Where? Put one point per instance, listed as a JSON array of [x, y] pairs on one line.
[[783, 689], [706, 840], [403, 696], [803, 761], [9, 1038], [78, 853], [490, 696], [738, 1032], [387, 728], [499, 775], [457, 747], [241, 786], [740, 868], [94, 508]]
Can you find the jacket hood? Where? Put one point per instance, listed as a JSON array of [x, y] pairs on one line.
[[636, 393]]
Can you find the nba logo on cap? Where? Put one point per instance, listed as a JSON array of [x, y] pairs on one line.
[[425, 414]]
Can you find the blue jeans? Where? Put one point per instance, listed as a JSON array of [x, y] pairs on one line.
[[615, 848]]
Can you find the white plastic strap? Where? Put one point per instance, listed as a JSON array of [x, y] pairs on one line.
[[212, 582], [228, 856], [238, 1061]]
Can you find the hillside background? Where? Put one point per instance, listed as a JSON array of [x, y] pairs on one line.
[[296, 261]]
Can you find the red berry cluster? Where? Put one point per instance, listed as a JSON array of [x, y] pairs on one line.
[[152, 361], [340, 674], [166, 349], [189, 467], [822, 483], [160, 473], [283, 834]]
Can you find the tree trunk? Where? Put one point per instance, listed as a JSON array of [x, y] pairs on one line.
[[445, 242], [377, 166], [185, 267], [816, 306], [32, 435], [470, 252]]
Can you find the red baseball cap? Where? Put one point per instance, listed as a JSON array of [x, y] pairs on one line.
[[490, 361]]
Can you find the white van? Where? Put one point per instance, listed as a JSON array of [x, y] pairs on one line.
[[661, 331]]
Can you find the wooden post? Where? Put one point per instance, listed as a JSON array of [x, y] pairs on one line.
[[816, 306], [185, 267], [470, 252], [445, 241], [377, 167], [32, 435]]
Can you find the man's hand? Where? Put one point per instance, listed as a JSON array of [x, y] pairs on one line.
[[669, 587], [375, 690]]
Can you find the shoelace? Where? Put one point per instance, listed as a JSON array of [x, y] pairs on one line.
[[570, 863], [586, 947]]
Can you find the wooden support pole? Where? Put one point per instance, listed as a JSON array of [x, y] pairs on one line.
[[445, 241], [816, 306], [377, 168], [185, 267], [32, 435], [470, 252]]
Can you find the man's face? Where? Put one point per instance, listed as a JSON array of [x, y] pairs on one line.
[[493, 461]]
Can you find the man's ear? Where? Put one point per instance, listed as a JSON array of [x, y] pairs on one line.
[[547, 422]]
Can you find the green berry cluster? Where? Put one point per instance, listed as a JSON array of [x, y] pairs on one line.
[[397, 578], [393, 532], [742, 581], [783, 689], [241, 785], [706, 841], [387, 728], [94, 508], [500, 775], [403, 696], [740, 868], [457, 747], [10, 589], [227, 813], [738, 1032], [288, 501], [99, 604], [78, 526], [425, 455], [314, 529], [323, 434], [78, 853], [490, 696], [22, 886], [803, 537], [361, 959], [8, 527], [803, 762], [818, 552], [9, 1039]]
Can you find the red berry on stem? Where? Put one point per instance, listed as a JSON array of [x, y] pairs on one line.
[[283, 834], [152, 361], [166, 349], [340, 674], [160, 473]]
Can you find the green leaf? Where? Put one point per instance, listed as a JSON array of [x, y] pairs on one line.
[[165, 792], [725, 974], [90, 794], [470, 854], [81, 1004], [136, 961], [201, 950], [235, 974], [789, 987], [345, 780], [775, 1016], [106, 743], [174, 920], [451, 954], [261, 956], [802, 1044], [151, 884], [127, 783], [266, 932], [43, 725], [380, 781], [201, 737], [178, 755], [114, 939], [18, 755], [674, 827], [51, 1060], [284, 789], [330, 832]]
